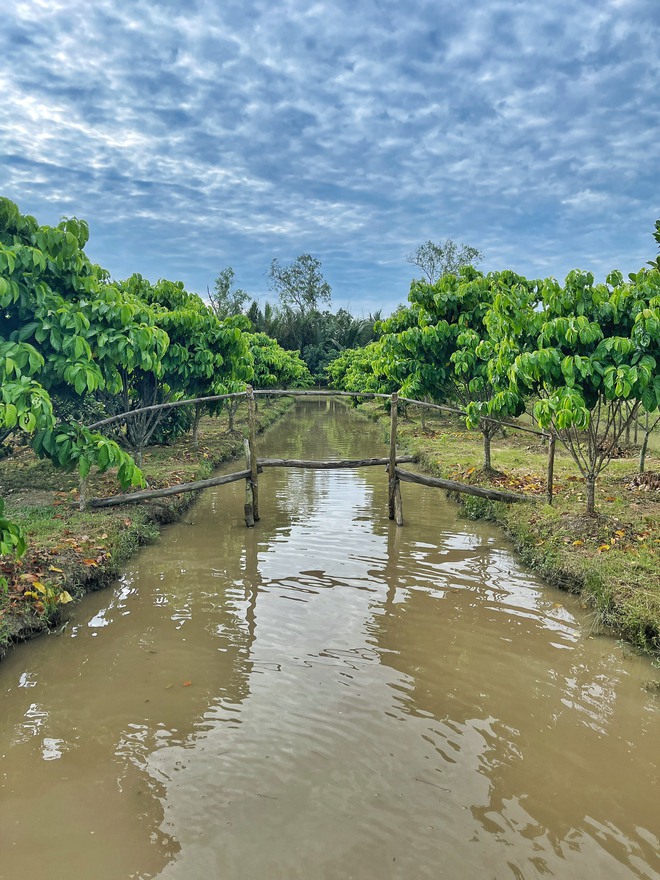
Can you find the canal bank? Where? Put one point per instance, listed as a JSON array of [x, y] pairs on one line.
[[71, 553]]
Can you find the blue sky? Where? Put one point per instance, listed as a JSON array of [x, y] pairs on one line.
[[192, 136]]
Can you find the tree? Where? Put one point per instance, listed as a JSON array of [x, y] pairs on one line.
[[301, 286], [274, 366], [360, 369], [203, 357], [436, 260], [595, 355], [438, 347], [226, 302], [47, 284]]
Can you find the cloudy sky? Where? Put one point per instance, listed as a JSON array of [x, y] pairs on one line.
[[200, 134]]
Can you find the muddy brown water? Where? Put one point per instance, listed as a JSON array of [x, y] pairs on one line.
[[326, 696]]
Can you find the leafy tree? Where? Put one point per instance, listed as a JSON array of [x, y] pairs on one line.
[[227, 301], [360, 369], [274, 366], [438, 347], [596, 352], [203, 357], [436, 260], [300, 286], [46, 285]]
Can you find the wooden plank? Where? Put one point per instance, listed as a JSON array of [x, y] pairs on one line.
[[148, 494], [334, 464], [453, 486]]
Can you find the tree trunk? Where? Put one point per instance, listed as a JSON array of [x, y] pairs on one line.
[[642, 451], [487, 464], [196, 420], [591, 495]]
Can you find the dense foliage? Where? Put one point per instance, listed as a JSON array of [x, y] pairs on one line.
[[70, 336], [582, 358]]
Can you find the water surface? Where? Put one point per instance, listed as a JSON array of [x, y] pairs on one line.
[[328, 696]]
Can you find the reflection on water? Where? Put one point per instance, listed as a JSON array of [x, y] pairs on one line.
[[327, 696]]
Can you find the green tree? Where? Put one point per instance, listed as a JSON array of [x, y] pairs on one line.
[[203, 357], [438, 348], [226, 300], [274, 366], [360, 369], [46, 286], [436, 260], [300, 286], [596, 354]]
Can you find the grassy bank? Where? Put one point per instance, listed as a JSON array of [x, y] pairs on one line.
[[72, 552], [612, 560]]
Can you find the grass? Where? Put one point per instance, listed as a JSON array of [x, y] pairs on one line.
[[71, 552], [612, 560]]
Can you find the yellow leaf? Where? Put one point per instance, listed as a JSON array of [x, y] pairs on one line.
[[65, 597], [39, 587], [578, 543], [55, 568], [603, 548]]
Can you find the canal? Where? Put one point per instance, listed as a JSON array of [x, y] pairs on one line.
[[326, 696]]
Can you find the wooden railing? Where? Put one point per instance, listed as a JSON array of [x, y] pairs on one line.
[[255, 465]]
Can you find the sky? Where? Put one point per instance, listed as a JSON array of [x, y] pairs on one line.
[[209, 133]]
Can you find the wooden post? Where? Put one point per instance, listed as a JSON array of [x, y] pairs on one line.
[[249, 494], [252, 440], [394, 490], [551, 467]]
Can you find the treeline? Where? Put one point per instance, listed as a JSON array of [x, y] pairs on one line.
[[300, 318], [581, 358]]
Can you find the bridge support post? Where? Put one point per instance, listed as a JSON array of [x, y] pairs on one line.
[[250, 444], [395, 509]]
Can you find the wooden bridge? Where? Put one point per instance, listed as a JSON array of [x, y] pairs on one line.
[[256, 465]]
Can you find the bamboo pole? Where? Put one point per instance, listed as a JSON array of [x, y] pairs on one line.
[[148, 494], [394, 492], [334, 464], [173, 404], [249, 493], [252, 439], [551, 467], [453, 486]]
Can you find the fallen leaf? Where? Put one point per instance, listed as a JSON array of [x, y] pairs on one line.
[[187, 684], [64, 598], [603, 548], [578, 543], [55, 568]]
